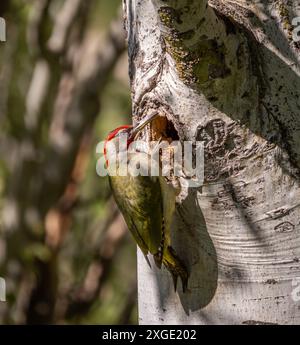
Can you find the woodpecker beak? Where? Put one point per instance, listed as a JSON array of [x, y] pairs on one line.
[[142, 124]]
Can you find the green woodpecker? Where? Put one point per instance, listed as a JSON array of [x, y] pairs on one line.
[[146, 202]]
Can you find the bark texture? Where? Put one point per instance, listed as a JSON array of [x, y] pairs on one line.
[[226, 73]]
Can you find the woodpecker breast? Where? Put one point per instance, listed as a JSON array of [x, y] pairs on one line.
[[140, 200]]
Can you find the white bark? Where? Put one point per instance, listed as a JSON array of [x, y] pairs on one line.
[[228, 76]]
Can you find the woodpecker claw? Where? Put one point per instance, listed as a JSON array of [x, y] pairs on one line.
[[175, 279], [184, 282]]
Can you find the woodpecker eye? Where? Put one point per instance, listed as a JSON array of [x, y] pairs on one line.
[[124, 131]]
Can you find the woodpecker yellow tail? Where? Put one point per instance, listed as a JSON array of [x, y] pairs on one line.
[[176, 267]]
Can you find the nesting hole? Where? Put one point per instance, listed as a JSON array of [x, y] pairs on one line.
[[164, 129]]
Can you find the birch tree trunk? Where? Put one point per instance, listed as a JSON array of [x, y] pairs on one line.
[[226, 73]]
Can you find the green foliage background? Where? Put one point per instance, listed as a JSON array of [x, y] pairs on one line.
[[88, 220]]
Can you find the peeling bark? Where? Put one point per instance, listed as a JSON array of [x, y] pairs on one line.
[[226, 73]]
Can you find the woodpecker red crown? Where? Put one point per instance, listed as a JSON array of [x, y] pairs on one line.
[[111, 136], [134, 130]]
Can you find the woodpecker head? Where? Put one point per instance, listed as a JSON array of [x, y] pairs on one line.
[[131, 132]]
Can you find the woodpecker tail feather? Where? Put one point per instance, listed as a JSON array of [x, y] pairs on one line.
[[157, 260], [158, 257], [147, 259], [176, 267]]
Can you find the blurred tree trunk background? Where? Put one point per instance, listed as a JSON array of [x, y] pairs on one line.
[[63, 84]]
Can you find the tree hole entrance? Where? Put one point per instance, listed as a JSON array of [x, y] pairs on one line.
[[164, 129]]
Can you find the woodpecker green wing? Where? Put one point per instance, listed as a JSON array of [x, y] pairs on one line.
[[140, 201]]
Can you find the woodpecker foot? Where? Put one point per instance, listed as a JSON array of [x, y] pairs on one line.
[[176, 267]]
